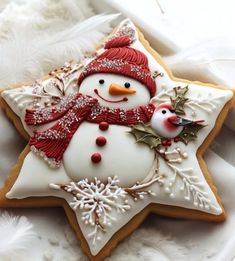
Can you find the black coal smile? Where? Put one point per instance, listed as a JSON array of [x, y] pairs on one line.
[[125, 99]]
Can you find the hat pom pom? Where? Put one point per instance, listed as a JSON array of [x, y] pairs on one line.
[[120, 41]]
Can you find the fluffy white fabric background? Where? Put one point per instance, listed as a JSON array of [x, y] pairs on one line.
[[34, 23], [16, 233]]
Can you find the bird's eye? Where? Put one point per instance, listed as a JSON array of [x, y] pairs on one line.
[[163, 111], [101, 81], [127, 84]]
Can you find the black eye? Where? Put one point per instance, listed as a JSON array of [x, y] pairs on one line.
[[163, 111], [101, 81], [127, 84]]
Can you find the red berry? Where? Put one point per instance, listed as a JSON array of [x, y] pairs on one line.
[[101, 141], [168, 142], [96, 157], [176, 139], [164, 142], [103, 125]]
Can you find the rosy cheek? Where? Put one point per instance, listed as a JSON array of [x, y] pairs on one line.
[[169, 126]]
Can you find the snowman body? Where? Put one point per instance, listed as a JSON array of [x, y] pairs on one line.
[[120, 156]]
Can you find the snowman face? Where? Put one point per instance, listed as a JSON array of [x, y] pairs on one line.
[[115, 91]]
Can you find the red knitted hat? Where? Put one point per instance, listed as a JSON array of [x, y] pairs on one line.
[[118, 58]]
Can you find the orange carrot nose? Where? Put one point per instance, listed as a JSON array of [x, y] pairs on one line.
[[115, 89]]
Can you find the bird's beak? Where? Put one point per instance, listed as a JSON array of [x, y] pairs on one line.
[[115, 89], [177, 121], [183, 122]]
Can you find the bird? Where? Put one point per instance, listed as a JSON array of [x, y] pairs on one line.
[[167, 124]]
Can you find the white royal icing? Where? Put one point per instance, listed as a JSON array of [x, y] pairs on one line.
[[142, 177]]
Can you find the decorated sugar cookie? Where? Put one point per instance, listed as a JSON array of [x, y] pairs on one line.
[[113, 139]]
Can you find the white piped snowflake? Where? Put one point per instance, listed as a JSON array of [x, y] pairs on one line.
[[97, 200]]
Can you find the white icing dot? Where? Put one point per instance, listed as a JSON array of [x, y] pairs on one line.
[[187, 198], [193, 113], [172, 195], [167, 190], [195, 204]]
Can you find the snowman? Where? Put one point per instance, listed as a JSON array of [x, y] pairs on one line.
[[92, 136]]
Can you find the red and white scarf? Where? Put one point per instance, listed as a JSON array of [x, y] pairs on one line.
[[68, 114]]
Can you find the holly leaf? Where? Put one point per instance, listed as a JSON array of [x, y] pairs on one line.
[[145, 134], [189, 133], [179, 100]]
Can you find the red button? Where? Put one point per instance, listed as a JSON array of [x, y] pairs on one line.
[[103, 125], [101, 141], [96, 158]]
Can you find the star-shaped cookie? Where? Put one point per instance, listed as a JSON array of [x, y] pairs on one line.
[[113, 139]]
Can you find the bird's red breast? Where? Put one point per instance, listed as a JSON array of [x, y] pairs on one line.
[[168, 125]]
